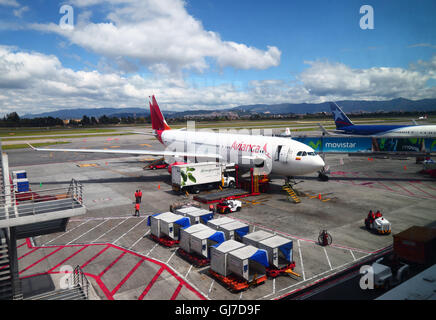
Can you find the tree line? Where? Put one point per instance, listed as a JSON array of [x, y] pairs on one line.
[[13, 120]]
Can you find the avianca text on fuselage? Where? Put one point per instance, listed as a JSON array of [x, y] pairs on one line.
[[251, 148]]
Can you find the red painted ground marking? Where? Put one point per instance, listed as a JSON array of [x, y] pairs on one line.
[[97, 278], [42, 259], [21, 244], [65, 260], [150, 284], [26, 254], [176, 293], [112, 264], [94, 257], [127, 277], [432, 196], [398, 185]]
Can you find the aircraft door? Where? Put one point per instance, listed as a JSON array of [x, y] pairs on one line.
[[283, 154]]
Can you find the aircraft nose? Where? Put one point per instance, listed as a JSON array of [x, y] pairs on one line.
[[319, 163]]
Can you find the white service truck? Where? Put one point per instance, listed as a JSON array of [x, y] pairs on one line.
[[194, 177], [389, 273]]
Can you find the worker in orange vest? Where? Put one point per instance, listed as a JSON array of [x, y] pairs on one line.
[[137, 196], [140, 195], [136, 210], [378, 214]]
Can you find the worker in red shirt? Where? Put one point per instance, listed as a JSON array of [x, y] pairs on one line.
[[371, 216], [140, 195], [137, 196], [378, 214], [136, 210]]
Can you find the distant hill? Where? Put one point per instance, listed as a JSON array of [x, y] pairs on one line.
[[93, 112], [346, 105], [349, 106]]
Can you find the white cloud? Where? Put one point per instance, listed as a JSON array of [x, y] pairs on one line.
[[160, 33], [9, 3], [19, 12], [326, 79], [31, 82]]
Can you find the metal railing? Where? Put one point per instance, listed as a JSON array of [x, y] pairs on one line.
[[78, 279], [43, 201]]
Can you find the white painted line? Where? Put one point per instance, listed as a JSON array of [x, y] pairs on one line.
[[186, 276], [152, 249], [136, 242], [301, 260], [354, 258], [240, 296], [171, 256], [86, 232], [274, 285], [328, 260], [66, 232], [129, 230], [210, 289], [110, 230]]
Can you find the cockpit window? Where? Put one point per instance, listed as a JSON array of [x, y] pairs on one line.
[[304, 153], [311, 153], [299, 153]]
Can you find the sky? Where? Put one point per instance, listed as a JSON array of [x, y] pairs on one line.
[[212, 54]]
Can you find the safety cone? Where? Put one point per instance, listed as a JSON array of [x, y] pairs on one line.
[[405, 168], [319, 196], [158, 186]]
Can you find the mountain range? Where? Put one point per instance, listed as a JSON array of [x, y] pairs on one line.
[[349, 106]]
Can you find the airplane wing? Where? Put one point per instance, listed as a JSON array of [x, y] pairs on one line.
[[132, 152]]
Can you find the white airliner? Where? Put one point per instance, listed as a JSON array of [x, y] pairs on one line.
[[281, 156]]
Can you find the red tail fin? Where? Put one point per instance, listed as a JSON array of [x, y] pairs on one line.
[[157, 119]]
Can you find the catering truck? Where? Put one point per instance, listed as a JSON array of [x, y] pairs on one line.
[[414, 249], [194, 177]]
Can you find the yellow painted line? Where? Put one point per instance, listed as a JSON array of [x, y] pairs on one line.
[[85, 165], [115, 146], [326, 200], [145, 144]]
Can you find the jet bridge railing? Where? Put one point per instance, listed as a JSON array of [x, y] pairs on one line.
[[42, 201], [78, 279]]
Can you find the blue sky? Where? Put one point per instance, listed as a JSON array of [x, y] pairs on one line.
[[212, 54]]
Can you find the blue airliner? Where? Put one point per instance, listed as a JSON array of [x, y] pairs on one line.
[[345, 125]]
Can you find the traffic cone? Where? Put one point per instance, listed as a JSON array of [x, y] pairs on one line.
[[319, 196], [405, 168], [158, 186]]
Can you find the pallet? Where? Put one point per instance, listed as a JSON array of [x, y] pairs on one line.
[[193, 258], [234, 283], [165, 241]]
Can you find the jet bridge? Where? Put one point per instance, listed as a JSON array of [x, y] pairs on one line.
[[30, 214]]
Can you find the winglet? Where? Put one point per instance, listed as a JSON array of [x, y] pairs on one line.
[[33, 148]]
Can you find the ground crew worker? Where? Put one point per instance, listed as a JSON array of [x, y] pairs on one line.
[[137, 196], [136, 210], [378, 214], [140, 195], [211, 208]]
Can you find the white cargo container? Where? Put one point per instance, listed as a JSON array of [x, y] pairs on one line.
[[248, 262], [202, 241], [185, 235], [279, 250], [196, 176], [170, 225], [254, 238], [234, 230], [154, 222], [218, 256], [216, 223], [200, 216], [183, 211]]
